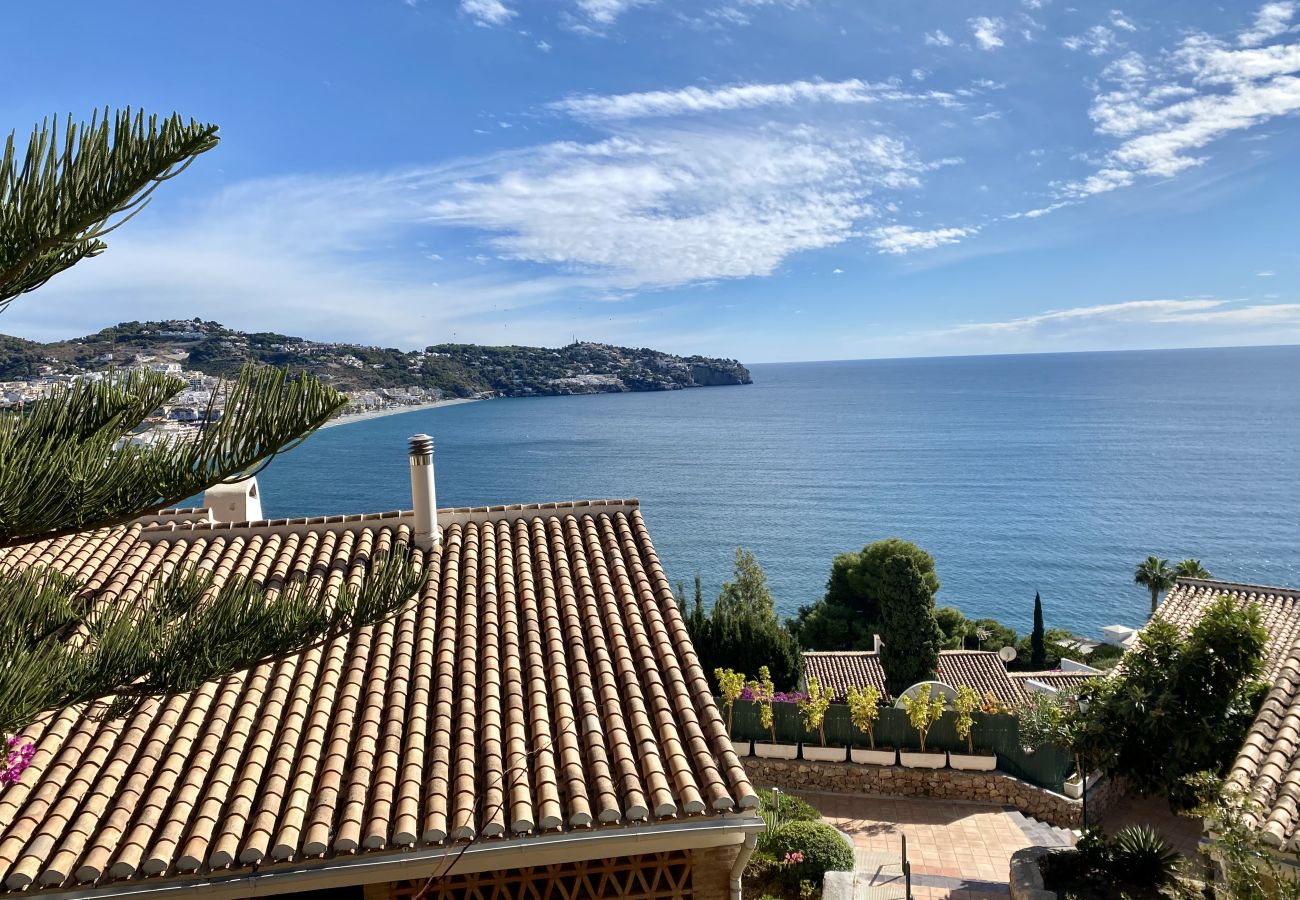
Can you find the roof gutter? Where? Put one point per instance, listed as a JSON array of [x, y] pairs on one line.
[[455, 859]]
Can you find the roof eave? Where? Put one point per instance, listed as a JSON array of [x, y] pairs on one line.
[[459, 859]]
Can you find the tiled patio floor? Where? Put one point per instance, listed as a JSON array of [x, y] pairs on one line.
[[957, 850]]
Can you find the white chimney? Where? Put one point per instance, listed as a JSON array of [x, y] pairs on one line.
[[424, 498], [238, 501], [875, 640]]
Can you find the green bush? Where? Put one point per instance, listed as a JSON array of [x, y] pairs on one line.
[[824, 850], [793, 809]]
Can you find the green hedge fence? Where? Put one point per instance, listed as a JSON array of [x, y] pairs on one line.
[[1046, 767]]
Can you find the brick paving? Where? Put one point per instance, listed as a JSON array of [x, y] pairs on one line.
[[957, 850]]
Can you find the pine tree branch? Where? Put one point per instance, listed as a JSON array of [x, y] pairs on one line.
[[60, 647], [63, 467], [56, 206]]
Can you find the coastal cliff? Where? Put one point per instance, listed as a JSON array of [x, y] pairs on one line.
[[456, 370]]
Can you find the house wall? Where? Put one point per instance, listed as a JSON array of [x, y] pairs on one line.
[[711, 872]]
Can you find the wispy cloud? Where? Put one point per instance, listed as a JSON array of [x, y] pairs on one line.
[[1154, 312], [1097, 41], [679, 207], [937, 38], [695, 100], [487, 12], [1166, 109], [1272, 20], [987, 31], [606, 12], [900, 239]]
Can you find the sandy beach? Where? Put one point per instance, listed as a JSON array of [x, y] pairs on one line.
[[394, 411]]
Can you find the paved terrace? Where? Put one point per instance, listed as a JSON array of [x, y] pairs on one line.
[[958, 850]]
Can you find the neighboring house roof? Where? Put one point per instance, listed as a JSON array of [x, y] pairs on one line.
[[1267, 767], [1055, 678], [543, 684], [981, 670], [1279, 609]]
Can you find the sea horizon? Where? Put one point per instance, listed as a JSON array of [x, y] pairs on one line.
[[1054, 473]]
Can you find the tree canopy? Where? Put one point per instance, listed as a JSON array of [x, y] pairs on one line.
[[1180, 705], [66, 466], [851, 611], [909, 631], [742, 630]]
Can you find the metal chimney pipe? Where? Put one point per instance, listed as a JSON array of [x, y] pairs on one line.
[[424, 496]]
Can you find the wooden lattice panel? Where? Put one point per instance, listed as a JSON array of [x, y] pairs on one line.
[[656, 876]]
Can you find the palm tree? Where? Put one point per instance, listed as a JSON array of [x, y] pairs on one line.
[[1155, 575], [1191, 568]]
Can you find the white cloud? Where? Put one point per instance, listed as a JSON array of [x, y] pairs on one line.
[[606, 12], [1166, 109], [1097, 41], [987, 31], [901, 239], [1120, 21], [1133, 310], [1272, 20], [837, 271], [675, 207], [694, 100], [937, 38], [487, 12], [1264, 274], [543, 46]]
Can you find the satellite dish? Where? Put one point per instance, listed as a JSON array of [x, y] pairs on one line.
[[937, 688], [1006, 654]]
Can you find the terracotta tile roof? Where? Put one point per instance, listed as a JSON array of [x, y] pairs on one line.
[[542, 683], [981, 670], [1267, 767], [1055, 678], [1279, 608]]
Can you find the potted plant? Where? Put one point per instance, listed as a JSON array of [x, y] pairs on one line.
[[966, 704], [923, 710], [864, 710], [764, 693], [813, 709], [732, 685], [1042, 720]]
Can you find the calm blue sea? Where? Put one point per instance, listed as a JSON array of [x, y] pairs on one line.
[[1050, 473]]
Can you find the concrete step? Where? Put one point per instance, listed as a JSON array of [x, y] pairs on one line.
[[1041, 834]]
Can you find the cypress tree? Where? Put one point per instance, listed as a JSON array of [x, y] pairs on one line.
[[909, 629], [1037, 640]]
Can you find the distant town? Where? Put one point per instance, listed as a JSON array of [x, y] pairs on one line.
[[206, 355]]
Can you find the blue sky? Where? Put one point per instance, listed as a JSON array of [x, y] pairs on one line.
[[767, 179]]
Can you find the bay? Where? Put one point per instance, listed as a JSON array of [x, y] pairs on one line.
[[1054, 473]]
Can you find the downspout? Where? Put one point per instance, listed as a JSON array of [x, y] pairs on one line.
[[742, 860]]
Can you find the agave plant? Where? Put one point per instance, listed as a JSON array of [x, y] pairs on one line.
[[1141, 857]]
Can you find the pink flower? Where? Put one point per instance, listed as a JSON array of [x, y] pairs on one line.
[[794, 857], [19, 758]]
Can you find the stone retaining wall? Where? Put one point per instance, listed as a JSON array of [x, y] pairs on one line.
[[1025, 878], [993, 788]]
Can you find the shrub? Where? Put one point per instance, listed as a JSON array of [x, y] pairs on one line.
[[732, 685], [813, 708], [1141, 857], [923, 712], [968, 701], [823, 848], [792, 808], [864, 710]]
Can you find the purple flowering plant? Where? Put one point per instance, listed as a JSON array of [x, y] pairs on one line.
[[18, 759]]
